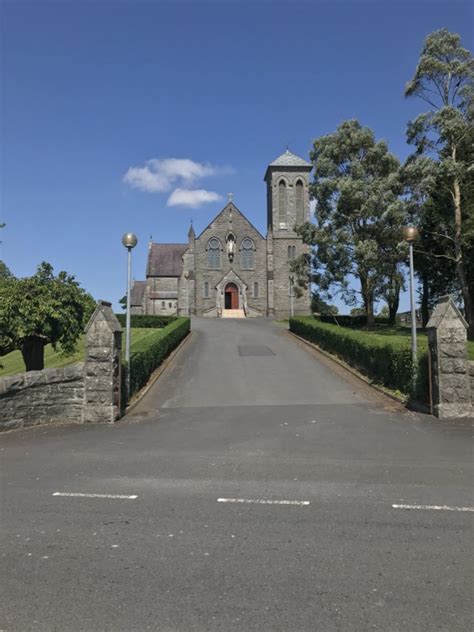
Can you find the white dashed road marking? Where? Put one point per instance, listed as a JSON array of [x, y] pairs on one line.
[[257, 501], [433, 507], [79, 495]]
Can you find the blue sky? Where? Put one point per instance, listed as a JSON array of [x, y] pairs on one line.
[[93, 91]]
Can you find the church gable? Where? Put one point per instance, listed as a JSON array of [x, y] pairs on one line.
[[230, 220]]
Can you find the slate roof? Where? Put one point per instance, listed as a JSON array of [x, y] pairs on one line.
[[136, 295], [165, 260], [288, 159]]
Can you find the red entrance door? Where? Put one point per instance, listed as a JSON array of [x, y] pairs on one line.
[[231, 296]]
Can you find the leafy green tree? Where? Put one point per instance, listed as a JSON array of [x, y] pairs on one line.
[[42, 309], [444, 136], [393, 255], [358, 214], [4, 271], [431, 208], [319, 306]]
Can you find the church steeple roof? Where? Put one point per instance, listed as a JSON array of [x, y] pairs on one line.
[[288, 159]]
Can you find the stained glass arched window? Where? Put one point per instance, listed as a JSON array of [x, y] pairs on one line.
[[214, 253], [247, 250], [282, 202], [299, 202]]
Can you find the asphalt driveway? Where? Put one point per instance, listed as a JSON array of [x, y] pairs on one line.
[[253, 488]]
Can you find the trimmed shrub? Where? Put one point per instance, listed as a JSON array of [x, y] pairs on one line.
[[149, 353], [146, 321], [384, 360], [346, 320]]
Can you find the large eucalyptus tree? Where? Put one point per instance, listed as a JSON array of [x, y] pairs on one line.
[[443, 137]]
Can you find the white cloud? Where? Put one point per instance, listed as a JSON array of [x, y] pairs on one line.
[[192, 197], [159, 175], [312, 207]]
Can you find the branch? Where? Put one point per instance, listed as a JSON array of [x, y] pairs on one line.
[[425, 98], [430, 254], [441, 235]]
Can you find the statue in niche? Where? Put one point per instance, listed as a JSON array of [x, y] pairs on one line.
[[230, 247]]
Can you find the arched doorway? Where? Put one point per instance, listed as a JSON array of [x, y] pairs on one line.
[[231, 296]]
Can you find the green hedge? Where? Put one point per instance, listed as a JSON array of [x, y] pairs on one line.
[[384, 360], [147, 321], [346, 320], [148, 354]]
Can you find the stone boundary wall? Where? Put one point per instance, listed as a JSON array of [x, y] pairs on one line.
[[79, 393], [42, 397]]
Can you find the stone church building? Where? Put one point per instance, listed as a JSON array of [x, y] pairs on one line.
[[230, 269]]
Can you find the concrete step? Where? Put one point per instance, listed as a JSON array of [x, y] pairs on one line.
[[233, 313]]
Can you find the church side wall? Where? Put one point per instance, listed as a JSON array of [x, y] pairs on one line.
[[161, 296]]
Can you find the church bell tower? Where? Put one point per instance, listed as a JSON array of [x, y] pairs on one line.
[[287, 180]]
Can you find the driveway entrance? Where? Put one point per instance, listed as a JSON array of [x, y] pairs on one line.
[[262, 490]]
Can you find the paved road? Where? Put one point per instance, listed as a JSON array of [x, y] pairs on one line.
[[244, 412]]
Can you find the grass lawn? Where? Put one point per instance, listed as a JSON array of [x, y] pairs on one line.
[[404, 333], [13, 362]]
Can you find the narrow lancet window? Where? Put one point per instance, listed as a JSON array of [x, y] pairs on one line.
[[299, 202], [247, 250], [282, 203], [214, 254]]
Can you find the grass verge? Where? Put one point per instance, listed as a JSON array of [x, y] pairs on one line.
[[13, 362]]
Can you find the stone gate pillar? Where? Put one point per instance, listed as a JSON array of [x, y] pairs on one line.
[[103, 366], [449, 366]]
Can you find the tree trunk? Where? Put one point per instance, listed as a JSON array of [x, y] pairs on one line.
[[392, 313], [393, 302], [32, 351], [368, 298], [468, 303], [425, 312], [369, 310]]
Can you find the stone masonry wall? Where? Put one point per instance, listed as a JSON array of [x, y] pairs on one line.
[[451, 376], [42, 397], [281, 280], [88, 391], [103, 366]]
